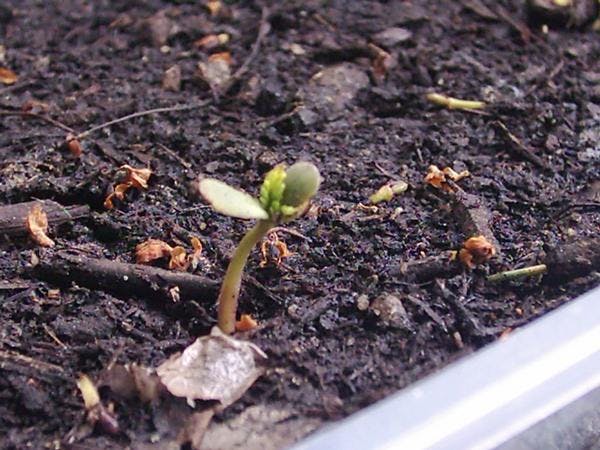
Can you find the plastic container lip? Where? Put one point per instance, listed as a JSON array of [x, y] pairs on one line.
[[486, 398]]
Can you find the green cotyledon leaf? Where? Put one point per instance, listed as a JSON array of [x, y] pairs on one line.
[[231, 201]]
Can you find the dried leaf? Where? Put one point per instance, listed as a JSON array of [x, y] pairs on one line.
[[196, 255], [476, 250], [435, 177], [216, 72], [273, 250], [130, 381], [118, 193], [133, 178], [151, 250], [246, 323], [382, 63], [216, 367], [178, 259], [37, 225], [455, 176], [7, 76], [137, 177], [439, 178], [230, 201]]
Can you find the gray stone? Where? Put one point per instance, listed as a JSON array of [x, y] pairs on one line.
[[330, 91], [392, 36], [390, 311]]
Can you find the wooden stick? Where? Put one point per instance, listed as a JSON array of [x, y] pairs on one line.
[[123, 279], [13, 217]]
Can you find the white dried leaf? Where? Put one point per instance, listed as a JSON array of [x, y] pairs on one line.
[[230, 201], [216, 367]]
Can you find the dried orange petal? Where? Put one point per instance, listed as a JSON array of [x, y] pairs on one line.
[[246, 323], [37, 225], [137, 177], [454, 175], [7, 76], [118, 193], [178, 259], [151, 250], [476, 250], [435, 177]]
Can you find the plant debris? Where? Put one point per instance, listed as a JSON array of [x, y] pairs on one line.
[[386, 192], [37, 225], [476, 250], [455, 103], [246, 323], [7, 76], [216, 367], [273, 251], [137, 178], [439, 178]]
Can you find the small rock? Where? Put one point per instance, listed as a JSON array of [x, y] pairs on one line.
[[157, 28], [172, 79], [330, 91], [392, 36], [390, 311], [326, 97], [216, 71], [362, 302], [271, 99]]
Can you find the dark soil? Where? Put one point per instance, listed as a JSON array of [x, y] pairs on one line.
[[90, 62]]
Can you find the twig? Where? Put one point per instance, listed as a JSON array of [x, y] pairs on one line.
[[54, 122], [15, 87], [547, 79], [174, 155], [263, 30], [520, 148], [518, 273], [26, 360], [148, 112], [123, 279], [13, 217], [289, 231], [53, 336]]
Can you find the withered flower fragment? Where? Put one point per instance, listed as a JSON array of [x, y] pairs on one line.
[[137, 178], [273, 250], [179, 260], [476, 250], [151, 250], [7, 76], [37, 225], [439, 178], [246, 323]]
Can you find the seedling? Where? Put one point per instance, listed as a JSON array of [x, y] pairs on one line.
[[284, 196]]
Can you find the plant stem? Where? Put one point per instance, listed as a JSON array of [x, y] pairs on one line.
[[454, 103], [230, 289], [518, 273]]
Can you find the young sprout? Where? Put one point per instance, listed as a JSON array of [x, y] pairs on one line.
[[284, 196]]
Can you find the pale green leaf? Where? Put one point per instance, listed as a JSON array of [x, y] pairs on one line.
[[230, 201]]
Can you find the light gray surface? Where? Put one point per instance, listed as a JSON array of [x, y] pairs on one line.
[[487, 398]]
